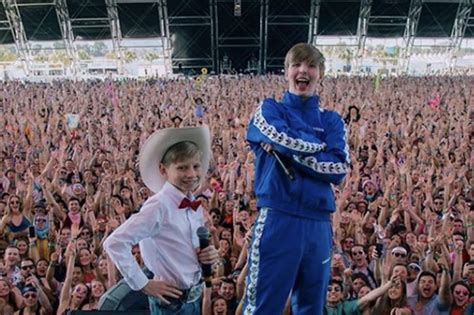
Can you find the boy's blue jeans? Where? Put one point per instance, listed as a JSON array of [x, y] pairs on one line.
[[175, 308], [288, 254], [189, 304]]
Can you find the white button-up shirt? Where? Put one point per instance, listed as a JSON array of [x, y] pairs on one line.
[[167, 238]]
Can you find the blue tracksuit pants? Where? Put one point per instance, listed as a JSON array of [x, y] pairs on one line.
[[288, 254]]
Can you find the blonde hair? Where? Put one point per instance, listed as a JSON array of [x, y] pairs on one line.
[[179, 152], [305, 52]]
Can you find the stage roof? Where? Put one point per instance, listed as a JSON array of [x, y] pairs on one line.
[[201, 32]]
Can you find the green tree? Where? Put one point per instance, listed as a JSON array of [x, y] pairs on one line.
[[7, 55], [346, 54], [83, 54], [396, 52], [151, 55], [98, 49], [111, 55], [60, 57], [129, 56], [381, 55], [41, 58], [86, 48], [36, 49]]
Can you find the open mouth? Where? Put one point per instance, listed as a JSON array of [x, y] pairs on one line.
[[427, 291], [302, 83], [332, 297]]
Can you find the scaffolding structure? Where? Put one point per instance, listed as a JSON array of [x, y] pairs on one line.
[[461, 22], [18, 32], [209, 19]]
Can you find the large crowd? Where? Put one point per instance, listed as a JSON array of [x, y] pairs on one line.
[[403, 231]]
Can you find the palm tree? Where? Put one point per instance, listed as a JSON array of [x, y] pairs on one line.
[[7, 55], [60, 57], [151, 55], [381, 56], [347, 55], [83, 54], [41, 58], [129, 55], [111, 55]]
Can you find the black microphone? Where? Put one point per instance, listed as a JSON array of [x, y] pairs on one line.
[[203, 236], [282, 165]]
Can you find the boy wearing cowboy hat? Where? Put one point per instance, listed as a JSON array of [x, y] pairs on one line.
[[172, 164]]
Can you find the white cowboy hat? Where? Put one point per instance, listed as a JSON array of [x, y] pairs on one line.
[[160, 141]]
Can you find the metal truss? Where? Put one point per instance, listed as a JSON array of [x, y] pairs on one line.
[[165, 34], [300, 19], [214, 32], [199, 21], [459, 29], [18, 33], [263, 36], [362, 27], [206, 23], [66, 32], [313, 21], [115, 32], [414, 14], [4, 25], [251, 38]]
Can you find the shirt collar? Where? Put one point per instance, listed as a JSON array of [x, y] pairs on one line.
[[174, 193], [293, 100]]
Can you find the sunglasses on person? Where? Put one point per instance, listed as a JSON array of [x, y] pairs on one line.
[[14, 202], [28, 267], [461, 292], [334, 289], [30, 295], [399, 255], [358, 253]]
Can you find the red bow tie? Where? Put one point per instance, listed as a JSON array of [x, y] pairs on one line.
[[186, 203]]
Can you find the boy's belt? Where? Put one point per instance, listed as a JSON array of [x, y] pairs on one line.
[[191, 294]]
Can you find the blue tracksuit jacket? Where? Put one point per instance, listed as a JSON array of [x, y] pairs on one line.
[[291, 244], [312, 141]]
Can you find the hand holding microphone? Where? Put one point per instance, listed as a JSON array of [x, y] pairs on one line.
[[269, 148], [207, 255]]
